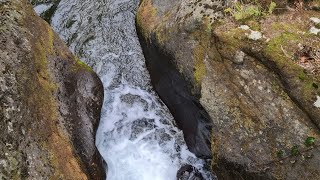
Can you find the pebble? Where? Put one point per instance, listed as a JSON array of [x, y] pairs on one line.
[[314, 30], [255, 35], [317, 103], [239, 57], [315, 20]]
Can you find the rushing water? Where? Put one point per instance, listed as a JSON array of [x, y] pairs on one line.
[[137, 136]]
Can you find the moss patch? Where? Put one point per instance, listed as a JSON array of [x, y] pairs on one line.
[[41, 94], [81, 64], [146, 17], [199, 55]]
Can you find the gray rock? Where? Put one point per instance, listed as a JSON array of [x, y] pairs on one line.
[[261, 113], [239, 57], [50, 102]]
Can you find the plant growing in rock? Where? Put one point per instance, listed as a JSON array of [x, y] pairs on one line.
[[272, 6], [295, 150], [280, 153], [310, 141], [302, 76], [242, 11]]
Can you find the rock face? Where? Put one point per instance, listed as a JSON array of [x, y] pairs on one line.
[[247, 75], [186, 109], [50, 102]]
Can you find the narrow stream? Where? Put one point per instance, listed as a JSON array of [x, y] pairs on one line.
[[137, 135]]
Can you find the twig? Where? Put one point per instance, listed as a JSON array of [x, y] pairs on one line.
[[285, 52]]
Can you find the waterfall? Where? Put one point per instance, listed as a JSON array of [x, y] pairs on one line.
[[137, 135]]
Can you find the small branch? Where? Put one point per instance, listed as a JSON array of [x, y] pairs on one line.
[[285, 52]]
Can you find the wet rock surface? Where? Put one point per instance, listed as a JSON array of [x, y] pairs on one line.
[[256, 94], [50, 102], [188, 172]]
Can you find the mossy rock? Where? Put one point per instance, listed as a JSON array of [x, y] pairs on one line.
[[259, 106], [52, 102]]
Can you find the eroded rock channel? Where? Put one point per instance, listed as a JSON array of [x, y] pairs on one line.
[[137, 135], [177, 94], [242, 86]]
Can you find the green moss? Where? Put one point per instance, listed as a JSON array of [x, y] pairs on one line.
[[199, 65], [281, 49], [83, 65], [274, 45], [275, 50], [235, 37], [278, 26], [302, 76], [50, 40], [307, 90]]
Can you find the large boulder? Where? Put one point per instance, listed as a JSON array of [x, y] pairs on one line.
[[50, 102], [255, 73]]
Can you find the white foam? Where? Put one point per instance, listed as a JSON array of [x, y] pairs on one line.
[[42, 8]]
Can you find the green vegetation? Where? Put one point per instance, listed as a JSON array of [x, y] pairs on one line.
[[280, 153], [272, 6], [309, 141], [83, 65], [302, 76], [295, 150], [254, 10]]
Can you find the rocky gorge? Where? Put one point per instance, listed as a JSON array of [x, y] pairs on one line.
[[196, 89]]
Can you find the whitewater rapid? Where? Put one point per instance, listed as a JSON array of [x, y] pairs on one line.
[[137, 136]]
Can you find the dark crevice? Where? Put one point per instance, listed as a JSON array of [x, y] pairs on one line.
[[176, 93], [228, 170]]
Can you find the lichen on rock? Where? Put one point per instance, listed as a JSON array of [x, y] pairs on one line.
[[260, 99], [50, 104]]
